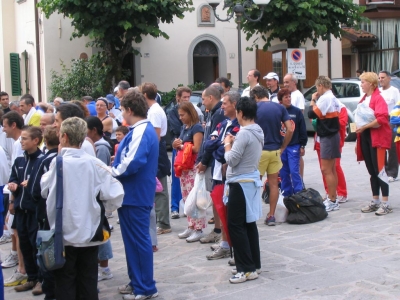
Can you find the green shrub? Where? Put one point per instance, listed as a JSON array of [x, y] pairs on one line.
[[167, 97], [83, 78]]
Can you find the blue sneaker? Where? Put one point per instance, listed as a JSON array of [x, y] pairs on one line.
[[270, 221]]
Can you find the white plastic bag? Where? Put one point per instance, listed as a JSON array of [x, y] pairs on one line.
[[203, 200], [363, 114], [191, 209], [281, 212]]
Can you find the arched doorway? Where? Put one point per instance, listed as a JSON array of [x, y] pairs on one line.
[[205, 62], [218, 62]]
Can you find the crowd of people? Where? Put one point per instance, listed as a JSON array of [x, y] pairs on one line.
[[118, 144]]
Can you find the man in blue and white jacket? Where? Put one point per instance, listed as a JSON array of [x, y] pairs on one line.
[[135, 166]]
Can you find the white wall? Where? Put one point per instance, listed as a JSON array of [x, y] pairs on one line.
[[7, 44], [56, 46], [167, 64]]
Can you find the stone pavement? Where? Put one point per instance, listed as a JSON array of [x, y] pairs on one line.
[[349, 255]]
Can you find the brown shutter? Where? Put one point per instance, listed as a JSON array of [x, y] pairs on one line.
[[312, 68], [263, 63]]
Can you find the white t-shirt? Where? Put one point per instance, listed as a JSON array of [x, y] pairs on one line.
[[17, 150], [217, 174], [88, 148], [246, 91], [7, 144], [391, 96], [158, 118], [298, 99]]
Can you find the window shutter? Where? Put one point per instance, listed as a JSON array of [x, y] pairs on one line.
[[312, 67], [15, 74], [263, 63]]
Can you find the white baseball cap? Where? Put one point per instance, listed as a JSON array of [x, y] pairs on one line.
[[271, 75]]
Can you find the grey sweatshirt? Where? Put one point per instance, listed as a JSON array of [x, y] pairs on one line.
[[246, 151], [103, 149]]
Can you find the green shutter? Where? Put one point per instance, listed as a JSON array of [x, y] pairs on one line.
[[15, 74]]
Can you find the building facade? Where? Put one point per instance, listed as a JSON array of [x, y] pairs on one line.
[[199, 48]]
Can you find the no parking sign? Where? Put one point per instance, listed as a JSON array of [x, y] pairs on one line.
[[297, 62]]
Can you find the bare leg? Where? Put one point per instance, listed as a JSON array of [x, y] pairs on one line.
[[328, 169], [21, 265], [217, 220], [273, 192]]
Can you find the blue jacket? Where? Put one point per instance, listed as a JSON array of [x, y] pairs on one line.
[[251, 185], [92, 108], [217, 145], [215, 116], [40, 167], [21, 171], [135, 164]]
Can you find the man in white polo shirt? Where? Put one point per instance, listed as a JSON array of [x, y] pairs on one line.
[[253, 79]]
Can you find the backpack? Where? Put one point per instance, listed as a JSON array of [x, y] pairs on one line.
[[305, 207]]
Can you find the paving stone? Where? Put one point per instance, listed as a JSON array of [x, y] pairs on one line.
[[348, 256]]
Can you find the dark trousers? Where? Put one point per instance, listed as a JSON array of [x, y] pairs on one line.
[[371, 162], [135, 222], [244, 236], [392, 164], [27, 227], [77, 279], [6, 198]]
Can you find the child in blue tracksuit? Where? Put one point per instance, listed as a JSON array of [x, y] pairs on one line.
[[135, 166]]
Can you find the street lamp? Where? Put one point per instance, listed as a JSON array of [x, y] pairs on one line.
[[239, 9]]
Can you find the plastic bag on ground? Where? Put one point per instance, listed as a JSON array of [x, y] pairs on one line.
[[281, 212]]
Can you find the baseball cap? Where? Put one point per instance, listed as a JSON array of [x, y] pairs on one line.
[[271, 75], [116, 89], [110, 98]]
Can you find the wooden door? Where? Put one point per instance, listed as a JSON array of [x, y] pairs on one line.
[[346, 66]]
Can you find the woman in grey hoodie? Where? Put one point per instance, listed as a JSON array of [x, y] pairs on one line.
[[242, 154]]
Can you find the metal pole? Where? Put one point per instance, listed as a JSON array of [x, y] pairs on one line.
[[239, 20]]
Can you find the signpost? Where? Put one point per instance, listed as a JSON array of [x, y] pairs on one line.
[[297, 62]]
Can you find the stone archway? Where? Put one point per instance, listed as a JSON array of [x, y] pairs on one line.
[[203, 45]]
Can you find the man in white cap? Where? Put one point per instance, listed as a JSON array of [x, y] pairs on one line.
[[272, 80], [114, 112]]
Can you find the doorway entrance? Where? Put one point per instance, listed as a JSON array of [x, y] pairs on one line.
[[205, 62]]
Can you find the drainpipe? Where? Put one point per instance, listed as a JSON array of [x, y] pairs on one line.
[[38, 73], [329, 57]]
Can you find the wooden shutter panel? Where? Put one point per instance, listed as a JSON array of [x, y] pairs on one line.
[[263, 63], [15, 74], [312, 67]]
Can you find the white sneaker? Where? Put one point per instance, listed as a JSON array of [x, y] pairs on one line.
[[10, 261], [234, 271], [188, 232], [215, 246], [139, 297], [331, 206], [391, 179], [104, 275], [16, 279], [342, 199], [117, 221], [5, 238], [195, 236], [242, 277]]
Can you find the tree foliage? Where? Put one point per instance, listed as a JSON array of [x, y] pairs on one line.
[[83, 78], [296, 21], [114, 24]]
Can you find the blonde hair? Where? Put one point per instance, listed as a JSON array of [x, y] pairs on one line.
[[325, 81], [370, 77], [76, 130]]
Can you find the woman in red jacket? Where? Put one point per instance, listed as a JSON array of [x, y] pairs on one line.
[[373, 139]]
